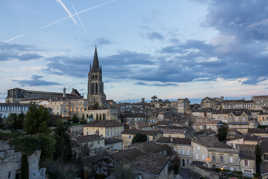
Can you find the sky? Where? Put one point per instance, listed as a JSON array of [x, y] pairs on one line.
[[171, 49]]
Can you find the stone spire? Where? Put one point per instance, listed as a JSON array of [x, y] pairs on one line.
[[95, 66]]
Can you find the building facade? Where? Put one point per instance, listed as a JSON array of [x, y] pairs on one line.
[[7, 108], [107, 129], [17, 95]]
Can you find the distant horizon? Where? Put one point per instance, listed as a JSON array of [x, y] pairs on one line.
[[192, 100]]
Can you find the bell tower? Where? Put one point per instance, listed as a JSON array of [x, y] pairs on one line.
[[96, 96]]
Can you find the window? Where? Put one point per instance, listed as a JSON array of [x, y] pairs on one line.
[[231, 159], [221, 158], [213, 158], [246, 163]]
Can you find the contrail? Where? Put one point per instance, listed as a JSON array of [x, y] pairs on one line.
[[78, 17], [65, 18], [78, 13], [67, 11], [14, 38]]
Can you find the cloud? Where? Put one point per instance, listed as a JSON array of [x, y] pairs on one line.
[[155, 36], [18, 52], [244, 19], [102, 42], [124, 65], [36, 81], [236, 52], [156, 84]]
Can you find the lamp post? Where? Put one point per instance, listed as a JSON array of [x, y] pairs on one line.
[[221, 173]]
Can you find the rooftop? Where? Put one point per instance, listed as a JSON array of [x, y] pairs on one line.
[[174, 140], [127, 155], [105, 123], [211, 142], [112, 141], [152, 164], [88, 138], [146, 132]]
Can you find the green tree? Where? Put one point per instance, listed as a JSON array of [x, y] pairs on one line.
[[44, 128], [75, 119], [1, 122], [139, 138], [11, 121], [47, 145], [258, 160], [24, 167], [36, 119], [222, 133], [63, 149], [20, 121], [26, 144], [153, 98]]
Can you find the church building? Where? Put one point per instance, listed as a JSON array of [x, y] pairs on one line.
[[96, 97]]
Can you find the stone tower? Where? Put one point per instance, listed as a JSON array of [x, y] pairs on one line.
[[96, 96]]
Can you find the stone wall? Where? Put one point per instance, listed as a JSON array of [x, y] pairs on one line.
[[10, 161], [34, 171]]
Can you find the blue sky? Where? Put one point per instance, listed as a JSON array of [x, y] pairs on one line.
[[172, 49]]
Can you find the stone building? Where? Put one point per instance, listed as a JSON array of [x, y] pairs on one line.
[[242, 127], [260, 100], [101, 114], [113, 144], [76, 130], [264, 164], [128, 136], [263, 119], [66, 107], [107, 129], [174, 132], [247, 160], [147, 161], [243, 140], [88, 145], [182, 147], [96, 96], [211, 103], [215, 154], [7, 108], [183, 106], [18, 95], [206, 125], [240, 104]]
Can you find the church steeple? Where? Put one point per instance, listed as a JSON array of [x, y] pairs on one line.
[[95, 84], [95, 66]]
